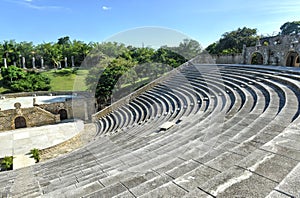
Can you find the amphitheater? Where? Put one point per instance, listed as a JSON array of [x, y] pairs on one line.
[[204, 131]]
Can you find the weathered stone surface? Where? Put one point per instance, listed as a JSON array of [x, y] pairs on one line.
[[291, 183], [254, 152]]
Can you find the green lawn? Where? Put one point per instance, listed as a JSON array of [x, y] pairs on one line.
[[61, 81]]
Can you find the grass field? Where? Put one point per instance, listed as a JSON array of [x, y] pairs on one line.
[[62, 80]]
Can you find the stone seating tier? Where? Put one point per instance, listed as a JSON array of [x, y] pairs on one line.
[[235, 135]]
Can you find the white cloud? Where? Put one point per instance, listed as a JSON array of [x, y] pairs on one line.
[[106, 8], [32, 5]]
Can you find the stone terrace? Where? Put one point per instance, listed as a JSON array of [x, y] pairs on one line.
[[236, 134]]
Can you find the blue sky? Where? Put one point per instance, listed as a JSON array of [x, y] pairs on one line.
[[97, 20]]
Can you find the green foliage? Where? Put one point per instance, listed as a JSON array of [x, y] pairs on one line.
[[290, 28], [232, 42], [52, 53], [35, 154], [134, 65], [65, 72], [19, 80], [7, 162], [188, 49], [12, 74], [109, 78], [110, 49]]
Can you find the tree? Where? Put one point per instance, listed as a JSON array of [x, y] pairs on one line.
[[290, 28], [232, 42], [110, 76], [9, 52], [188, 48], [12, 74], [18, 79], [168, 57], [64, 41], [27, 50], [109, 49]]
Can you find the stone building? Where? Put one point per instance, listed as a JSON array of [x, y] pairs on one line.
[[276, 50], [81, 107]]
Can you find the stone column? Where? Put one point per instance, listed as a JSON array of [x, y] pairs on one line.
[[244, 54], [5, 63], [42, 63], [66, 62], [23, 62], [59, 65], [33, 62], [72, 59], [86, 115]]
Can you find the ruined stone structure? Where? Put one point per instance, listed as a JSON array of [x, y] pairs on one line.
[[276, 51], [81, 107], [26, 117]]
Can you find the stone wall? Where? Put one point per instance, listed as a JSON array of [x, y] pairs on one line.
[[33, 116], [46, 93], [228, 59], [80, 108]]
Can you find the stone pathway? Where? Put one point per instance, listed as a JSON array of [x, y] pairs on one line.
[[21, 141], [21, 161]]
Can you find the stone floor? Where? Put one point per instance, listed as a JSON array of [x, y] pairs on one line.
[[79, 140], [21, 161], [21, 141]]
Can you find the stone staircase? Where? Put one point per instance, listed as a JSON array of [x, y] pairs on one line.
[[236, 135]]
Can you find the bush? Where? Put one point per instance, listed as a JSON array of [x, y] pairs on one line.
[[19, 80], [66, 71], [35, 154], [7, 163]]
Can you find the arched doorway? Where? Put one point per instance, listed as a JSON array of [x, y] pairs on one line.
[[20, 122], [257, 59], [63, 114], [292, 59]]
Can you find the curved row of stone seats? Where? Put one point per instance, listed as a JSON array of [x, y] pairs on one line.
[[140, 161], [285, 79]]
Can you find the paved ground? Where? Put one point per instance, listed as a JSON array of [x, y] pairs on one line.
[[21, 161], [8, 103], [21, 141], [78, 141]]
